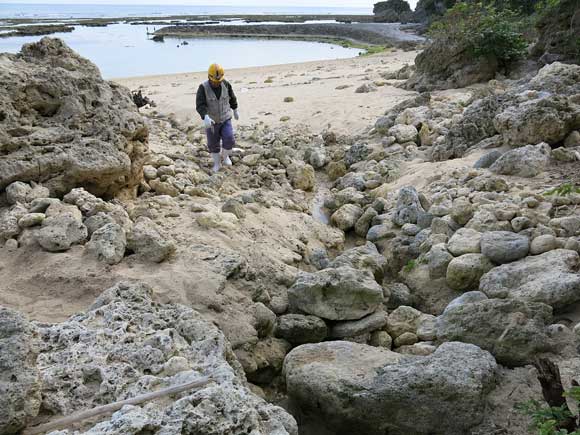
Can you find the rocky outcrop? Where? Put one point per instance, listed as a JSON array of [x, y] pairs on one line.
[[147, 347], [20, 395], [447, 64], [556, 30], [64, 126], [356, 389], [541, 109]]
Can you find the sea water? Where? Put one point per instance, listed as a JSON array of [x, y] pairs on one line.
[[124, 50], [17, 9]]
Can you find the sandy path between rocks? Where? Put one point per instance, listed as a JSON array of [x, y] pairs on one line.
[[317, 102]]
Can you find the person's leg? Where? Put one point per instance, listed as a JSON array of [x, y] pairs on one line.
[[213, 146], [228, 139]]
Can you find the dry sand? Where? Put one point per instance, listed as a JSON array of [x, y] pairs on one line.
[[317, 102]]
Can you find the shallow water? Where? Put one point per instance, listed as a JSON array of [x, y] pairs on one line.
[[122, 50]]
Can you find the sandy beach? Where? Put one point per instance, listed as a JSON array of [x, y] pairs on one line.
[[323, 92]]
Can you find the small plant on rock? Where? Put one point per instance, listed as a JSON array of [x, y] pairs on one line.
[[564, 189], [412, 264]]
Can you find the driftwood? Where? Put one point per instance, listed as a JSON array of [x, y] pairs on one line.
[[553, 390], [112, 407]]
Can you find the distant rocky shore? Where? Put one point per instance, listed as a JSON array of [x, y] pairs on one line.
[[366, 33]]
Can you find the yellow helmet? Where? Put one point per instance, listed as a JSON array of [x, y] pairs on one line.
[[215, 73]]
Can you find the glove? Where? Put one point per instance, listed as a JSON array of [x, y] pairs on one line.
[[208, 122], [236, 115]]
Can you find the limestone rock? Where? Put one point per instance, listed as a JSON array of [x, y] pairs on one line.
[[363, 223], [147, 241], [543, 243], [404, 133], [300, 329], [108, 244], [548, 119], [301, 176], [465, 241], [217, 220], [336, 294], [353, 328], [464, 272], [408, 207], [346, 216], [399, 294], [565, 155], [513, 331], [551, 278], [84, 367], [17, 192], [265, 320], [60, 232], [365, 257], [573, 140], [528, 161], [403, 319], [359, 389], [487, 160], [504, 247], [356, 153], [74, 128], [439, 258], [20, 395], [31, 220]]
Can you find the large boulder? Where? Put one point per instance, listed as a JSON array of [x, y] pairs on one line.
[[20, 395], [365, 257], [357, 389], [336, 294], [552, 278], [547, 120], [527, 161], [513, 331], [504, 246], [64, 126], [149, 346]]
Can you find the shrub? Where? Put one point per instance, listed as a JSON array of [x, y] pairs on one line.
[[483, 30], [551, 420]]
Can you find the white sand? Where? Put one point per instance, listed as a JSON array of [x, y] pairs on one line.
[[317, 102]]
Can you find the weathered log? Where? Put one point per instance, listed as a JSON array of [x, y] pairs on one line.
[[112, 407]]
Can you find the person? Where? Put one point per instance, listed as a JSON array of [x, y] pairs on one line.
[[215, 102]]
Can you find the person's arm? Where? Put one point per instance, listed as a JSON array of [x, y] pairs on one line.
[[200, 102], [233, 98]]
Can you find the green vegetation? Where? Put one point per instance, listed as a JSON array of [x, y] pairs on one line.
[[484, 30], [564, 189], [552, 420], [412, 264]]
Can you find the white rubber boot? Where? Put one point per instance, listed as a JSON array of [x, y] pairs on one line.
[[217, 159], [226, 154]]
